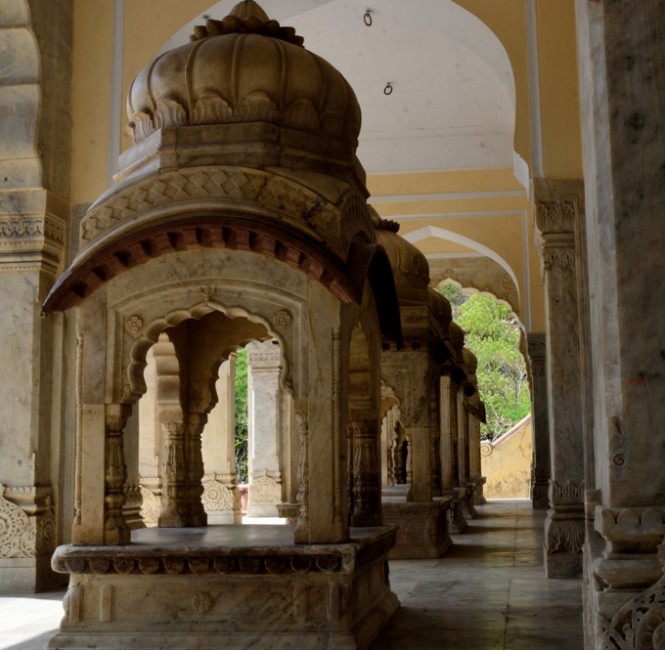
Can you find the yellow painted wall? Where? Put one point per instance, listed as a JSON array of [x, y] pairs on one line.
[[91, 97], [507, 19], [506, 463], [559, 97]]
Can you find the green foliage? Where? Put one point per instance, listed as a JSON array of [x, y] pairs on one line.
[[493, 335], [241, 433]]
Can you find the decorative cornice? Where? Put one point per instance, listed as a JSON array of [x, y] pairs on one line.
[[144, 560], [234, 185], [566, 494], [631, 530]]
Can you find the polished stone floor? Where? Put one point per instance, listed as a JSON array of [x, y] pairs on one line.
[[489, 592]]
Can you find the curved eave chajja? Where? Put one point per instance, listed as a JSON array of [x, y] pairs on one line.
[[89, 272]]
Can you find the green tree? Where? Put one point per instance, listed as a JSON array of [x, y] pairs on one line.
[[242, 430], [493, 335]]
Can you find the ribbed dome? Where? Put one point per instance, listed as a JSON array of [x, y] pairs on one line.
[[457, 338], [441, 308], [410, 267], [245, 68]]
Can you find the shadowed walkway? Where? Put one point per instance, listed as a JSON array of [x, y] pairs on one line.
[[489, 592]]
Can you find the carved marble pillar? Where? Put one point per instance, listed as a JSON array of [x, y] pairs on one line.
[[133, 499], [265, 422], [475, 414], [193, 447], [221, 498], [448, 428], [116, 530], [175, 487], [622, 76], [364, 434], [558, 209], [464, 475], [540, 470]]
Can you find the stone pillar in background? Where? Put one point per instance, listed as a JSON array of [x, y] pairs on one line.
[[34, 208], [540, 469], [558, 210], [366, 472], [221, 497], [265, 422], [622, 76]]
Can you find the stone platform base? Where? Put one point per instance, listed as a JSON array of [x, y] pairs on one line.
[[234, 587], [422, 527], [478, 496]]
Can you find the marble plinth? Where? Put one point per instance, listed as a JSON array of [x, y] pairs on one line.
[[468, 502], [227, 586], [422, 527], [478, 496], [456, 521]]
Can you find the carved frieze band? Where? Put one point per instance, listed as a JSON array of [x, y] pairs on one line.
[[566, 494], [27, 522], [22, 234], [228, 183], [643, 527]]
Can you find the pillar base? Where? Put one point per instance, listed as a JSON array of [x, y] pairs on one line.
[[236, 586], [456, 521], [422, 527]]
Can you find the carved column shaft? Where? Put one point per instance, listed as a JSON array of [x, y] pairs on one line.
[[540, 470], [175, 492], [265, 422], [221, 498], [622, 69], [448, 435], [193, 449], [116, 530], [366, 472], [558, 209]]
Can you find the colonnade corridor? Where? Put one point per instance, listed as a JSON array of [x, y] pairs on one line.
[[489, 591]]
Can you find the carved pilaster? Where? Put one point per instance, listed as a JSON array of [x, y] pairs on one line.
[[116, 530], [366, 473], [558, 209]]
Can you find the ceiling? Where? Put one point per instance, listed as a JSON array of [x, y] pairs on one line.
[[452, 99]]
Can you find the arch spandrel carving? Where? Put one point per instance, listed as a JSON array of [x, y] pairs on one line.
[[145, 307]]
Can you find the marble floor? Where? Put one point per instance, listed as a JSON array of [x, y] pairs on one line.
[[489, 592]]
